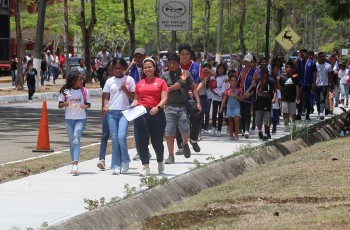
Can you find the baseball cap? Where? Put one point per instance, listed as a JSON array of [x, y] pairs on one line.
[[140, 51], [248, 58], [48, 51]]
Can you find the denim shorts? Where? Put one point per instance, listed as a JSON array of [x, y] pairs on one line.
[[176, 117]]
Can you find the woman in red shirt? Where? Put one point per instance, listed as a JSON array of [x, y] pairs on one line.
[[62, 60], [152, 93]]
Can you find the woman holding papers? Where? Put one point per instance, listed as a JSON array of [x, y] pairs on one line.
[[152, 93], [116, 94]]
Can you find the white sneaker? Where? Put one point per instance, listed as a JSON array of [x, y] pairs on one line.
[[30, 101], [101, 164], [321, 116], [218, 133], [125, 167], [161, 167], [246, 135], [75, 171], [116, 171], [145, 171], [213, 131]]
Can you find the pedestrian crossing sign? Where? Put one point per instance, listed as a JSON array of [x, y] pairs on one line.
[[287, 38]]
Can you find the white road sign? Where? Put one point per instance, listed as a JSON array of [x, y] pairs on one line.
[[174, 15]]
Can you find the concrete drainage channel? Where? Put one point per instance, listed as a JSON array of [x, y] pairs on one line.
[[148, 202]]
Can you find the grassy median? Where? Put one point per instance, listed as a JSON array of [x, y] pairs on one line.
[[39, 165]]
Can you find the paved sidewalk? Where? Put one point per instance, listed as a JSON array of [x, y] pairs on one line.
[[57, 195]]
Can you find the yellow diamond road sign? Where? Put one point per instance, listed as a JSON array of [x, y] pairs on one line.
[[287, 38]]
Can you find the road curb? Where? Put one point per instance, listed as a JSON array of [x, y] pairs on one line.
[[41, 96]]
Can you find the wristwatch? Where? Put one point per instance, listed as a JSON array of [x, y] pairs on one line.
[[159, 108]]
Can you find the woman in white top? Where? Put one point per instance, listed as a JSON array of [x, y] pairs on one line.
[[220, 78], [75, 99], [344, 87], [116, 94]]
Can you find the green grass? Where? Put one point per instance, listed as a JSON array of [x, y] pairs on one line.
[[309, 189], [35, 166]]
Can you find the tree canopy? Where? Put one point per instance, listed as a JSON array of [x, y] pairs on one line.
[[330, 18]]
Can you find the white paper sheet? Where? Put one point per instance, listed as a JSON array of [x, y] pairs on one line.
[[134, 112]]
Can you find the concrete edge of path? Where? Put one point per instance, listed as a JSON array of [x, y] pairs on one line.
[[148, 202], [41, 96]]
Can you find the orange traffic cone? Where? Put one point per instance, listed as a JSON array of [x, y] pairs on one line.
[[43, 143]]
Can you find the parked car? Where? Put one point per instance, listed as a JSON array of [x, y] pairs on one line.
[[5, 68], [74, 62]]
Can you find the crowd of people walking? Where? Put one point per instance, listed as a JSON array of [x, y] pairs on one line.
[[183, 94]]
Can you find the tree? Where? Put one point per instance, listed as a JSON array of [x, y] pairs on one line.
[[86, 35], [39, 38], [66, 36], [207, 26], [339, 9], [19, 78], [241, 27], [229, 10], [130, 25], [219, 33]]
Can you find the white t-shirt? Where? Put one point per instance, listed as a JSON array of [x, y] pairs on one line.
[[118, 55], [221, 87], [278, 96], [104, 58], [118, 100], [343, 74], [322, 74], [209, 93], [54, 61], [76, 99]]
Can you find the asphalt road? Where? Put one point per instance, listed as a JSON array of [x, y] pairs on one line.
[[19, 126]]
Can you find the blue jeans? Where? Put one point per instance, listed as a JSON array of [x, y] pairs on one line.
[[104, 138], [43, 77], [320, 96], [203, 99], [344, 88], [207, 113], [14, 75], [48, 73], [118, 126], [75, 130], [54, 71], [275, 118], [31, 90]]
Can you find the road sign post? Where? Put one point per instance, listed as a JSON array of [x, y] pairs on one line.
[[174, 15], [287, 38]]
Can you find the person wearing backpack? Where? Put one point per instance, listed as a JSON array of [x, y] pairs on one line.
[[30, 77], [75, 99], [247, 77], [179, 82]]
